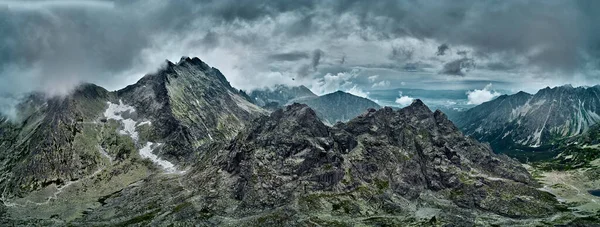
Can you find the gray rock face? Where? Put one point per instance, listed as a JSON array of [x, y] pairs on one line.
[[381, 163], [524, 120], [191, 104]]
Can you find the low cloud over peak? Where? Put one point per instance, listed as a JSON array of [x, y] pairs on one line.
[[479, 96]]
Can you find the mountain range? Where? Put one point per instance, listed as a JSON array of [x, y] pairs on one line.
[[183, 147], [523, 120], [334, 107]]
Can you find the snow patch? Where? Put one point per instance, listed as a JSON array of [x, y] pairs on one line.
[[506, 134], [569, 156], [146, 152], [144, 123], [129, 129], [115, 112]]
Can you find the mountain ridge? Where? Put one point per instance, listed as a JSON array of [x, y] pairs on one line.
[[513, 120], [150, 114], [291, 157], [331, 107]]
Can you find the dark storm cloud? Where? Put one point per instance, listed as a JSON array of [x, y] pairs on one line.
[[557, 31], [303, 71], [316, 58], [67, 43], [56, 41], [401, 53], [442, 49], [458, 67], [289, 56], [501, 66]]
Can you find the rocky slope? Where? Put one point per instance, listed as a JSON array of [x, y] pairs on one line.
[[189, 104], [383, 168], [525, 120], [165, 117]]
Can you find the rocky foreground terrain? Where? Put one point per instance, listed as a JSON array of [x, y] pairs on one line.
[[182, 147]]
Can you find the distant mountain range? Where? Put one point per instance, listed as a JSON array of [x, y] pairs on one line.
[[524, 120], [331, 108]]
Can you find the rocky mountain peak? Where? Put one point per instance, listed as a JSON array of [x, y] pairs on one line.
[[522, 93], [401, 154], [417, 106], [90, 91], [195, 61], [295, 118]]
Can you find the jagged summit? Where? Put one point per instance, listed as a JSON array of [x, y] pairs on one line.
[[193, 61], [521, 93], [91, 91], [418, 105]]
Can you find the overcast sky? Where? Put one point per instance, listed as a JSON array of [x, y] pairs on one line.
[[350, 45]]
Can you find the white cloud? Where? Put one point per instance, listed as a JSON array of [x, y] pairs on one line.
[[334, 82], [373, 78], [381, 84], [477, 97], [358, 92], [404, 100]]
